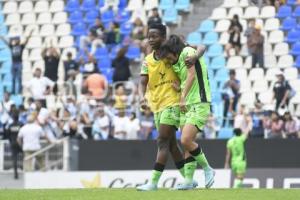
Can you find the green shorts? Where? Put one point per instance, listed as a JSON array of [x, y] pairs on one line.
[[168, 116], [196, 114], [239, 167]]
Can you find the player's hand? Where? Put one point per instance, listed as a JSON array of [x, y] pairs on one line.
[[190, 61], [143, 103], [182, 104], [176, 85]]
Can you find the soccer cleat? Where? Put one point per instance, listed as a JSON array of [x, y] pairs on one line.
[[209, 177], [186, 186], [147, 187]]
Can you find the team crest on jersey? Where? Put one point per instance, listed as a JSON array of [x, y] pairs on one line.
[[162, 75]]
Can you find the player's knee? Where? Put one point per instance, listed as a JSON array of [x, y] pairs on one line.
[[185, 141], [163, 143]]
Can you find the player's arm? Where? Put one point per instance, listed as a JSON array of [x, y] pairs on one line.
[[227, 159], [191, 60], [188, 85], [144, 78]]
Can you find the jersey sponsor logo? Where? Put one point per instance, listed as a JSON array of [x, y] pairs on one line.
[[162, 75]]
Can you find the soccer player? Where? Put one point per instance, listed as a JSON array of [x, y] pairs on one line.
[[194, 103], [157, 79], [237, 155]]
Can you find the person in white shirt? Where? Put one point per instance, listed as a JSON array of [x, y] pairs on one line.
[[243, 120], [29, 137], [100, 129], [121, 125], [113, 4], [40, 86], [5, 108], [134, 127]]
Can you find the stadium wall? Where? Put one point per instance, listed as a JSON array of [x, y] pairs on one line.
[[140, 155]]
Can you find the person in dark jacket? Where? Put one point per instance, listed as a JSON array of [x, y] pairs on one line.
[[121, 66]]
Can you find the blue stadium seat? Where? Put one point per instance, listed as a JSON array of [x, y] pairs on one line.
[[288, 24], [217, 62], [183, 5], [170, 16], [75, 17], [123, 16], [133, 52], [91, 16], [101, 52], [79, 29], [88, 5], [206, 60], [107, 16], [1, 19], [18, 99], [215, 50], [210, 38], [166, 4], [5, 55], [206, 26], [296, 12], [72, 5], [291, 2], [298, 27], [284, 11], [122, 4], [100, 3], [194, 38], [3, 30], [297, 62], [104, 63], [108, 73], [225, 133], [295, 49], [126, 29], [222, 75], [7, 77], [293, 36], [216, 96]]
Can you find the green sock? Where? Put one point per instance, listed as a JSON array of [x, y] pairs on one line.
[[182, 171], [237, 183], [189, 169], [155, 176], [201, 159]]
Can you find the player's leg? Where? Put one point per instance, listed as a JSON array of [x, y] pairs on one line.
[[239, 171], [196, 118], [177, 154]]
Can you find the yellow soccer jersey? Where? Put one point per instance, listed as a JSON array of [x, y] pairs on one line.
[[160, 93]]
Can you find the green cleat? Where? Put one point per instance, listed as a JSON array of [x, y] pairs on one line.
[[147, 187]]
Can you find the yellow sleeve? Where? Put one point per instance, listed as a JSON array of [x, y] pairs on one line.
[[144, 68]]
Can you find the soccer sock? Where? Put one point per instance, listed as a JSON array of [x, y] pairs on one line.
[[157, 172], [180, 167], [237, 183], [200, 158], [189, 169]]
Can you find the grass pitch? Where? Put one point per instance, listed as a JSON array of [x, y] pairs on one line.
[[131, 194]]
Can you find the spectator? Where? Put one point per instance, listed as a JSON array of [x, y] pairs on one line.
[[89, 66], [243, 120], [154, 18], [17, 48], [250, 29], [210, 128], [274, 126], [121, 122], [133, 127], [93, 39], [112, 34], [6, 106], [121, 66], [120, 97], [256, 47], [13, 130], [51, 58], [87, 111], [147, 124], [101, 125], [70, 65], [281, 92], [230, 96], [23, 113], [74, 130], [29, 138], [40, 86], [6, 103], [96, 85], [139, 32], [257, 121], [290, 126], [234, 30]]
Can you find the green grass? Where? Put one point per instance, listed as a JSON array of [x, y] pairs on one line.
[[131, 194]]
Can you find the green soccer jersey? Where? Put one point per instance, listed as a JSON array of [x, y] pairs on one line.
[[236, 145], [200, 90]]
